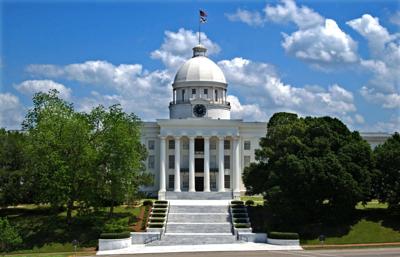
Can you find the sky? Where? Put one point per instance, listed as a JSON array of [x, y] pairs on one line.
[[314, 58]]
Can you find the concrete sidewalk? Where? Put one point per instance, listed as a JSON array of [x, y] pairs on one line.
[[139, 249]]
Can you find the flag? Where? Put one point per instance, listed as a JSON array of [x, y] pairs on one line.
[[203, 16], [203, 13]]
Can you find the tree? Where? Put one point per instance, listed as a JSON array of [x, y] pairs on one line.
[[14, 184], [310, 167], [120, 155], [9, 237], [59, 151], [387, 159]]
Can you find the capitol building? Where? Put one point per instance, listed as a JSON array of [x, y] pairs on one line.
[[200, 152]]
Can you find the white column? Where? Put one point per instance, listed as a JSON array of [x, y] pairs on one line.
[[206, 164], [177, 184], [161, 194], [221, 171], [191, 165], [236, 166]]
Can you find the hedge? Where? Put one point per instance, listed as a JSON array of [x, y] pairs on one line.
[[249, 202], [237, 202], [156, 225], [283, 235], [121, 235], [148, 203], [158, 215], [240, 220], [239, 215], [242, 225], [159, 210]]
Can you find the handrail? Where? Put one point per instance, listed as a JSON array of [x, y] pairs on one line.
[[166, 220]]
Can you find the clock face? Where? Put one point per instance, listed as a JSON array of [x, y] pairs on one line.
[[199, 110]]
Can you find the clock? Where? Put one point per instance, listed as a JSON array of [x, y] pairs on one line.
[[199, 110]]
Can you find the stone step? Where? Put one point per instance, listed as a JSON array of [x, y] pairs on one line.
[[192, 239], [224, 227], [198, 209], [169, 195], [198, 218]]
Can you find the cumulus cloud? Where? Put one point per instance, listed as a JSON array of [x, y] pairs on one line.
[[318, 41], [248, 17], [395, 18], [384, 63], [11, 111], [30, 87], [177, 47]]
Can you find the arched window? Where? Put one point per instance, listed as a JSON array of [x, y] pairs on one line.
[[216, 95]]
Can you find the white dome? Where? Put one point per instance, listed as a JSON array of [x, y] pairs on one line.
[[200, 68]]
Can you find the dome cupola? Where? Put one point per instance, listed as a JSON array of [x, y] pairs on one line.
[[199, 89]]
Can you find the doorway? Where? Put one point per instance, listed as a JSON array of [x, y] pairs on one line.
[[199, 184]]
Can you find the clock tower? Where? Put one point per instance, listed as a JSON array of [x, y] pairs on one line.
[[199, 89]]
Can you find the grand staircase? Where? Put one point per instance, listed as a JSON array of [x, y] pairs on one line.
[[197, 224]]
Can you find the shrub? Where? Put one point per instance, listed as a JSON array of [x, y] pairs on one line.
[[239, 211], [9, 237], [283, 235], [239, 215], [241, 220], [115, 226], [156, 225], [237, 202], [249, 202], [152, 220], [242, 225], [161, 202], [158, 215], [121, 235], [159, 210], [148, 203]]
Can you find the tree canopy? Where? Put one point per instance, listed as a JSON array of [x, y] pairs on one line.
[[310, 167]]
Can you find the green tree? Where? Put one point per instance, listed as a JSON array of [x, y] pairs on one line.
[[310, 167], [59, 151], [9, 237], [14, 184], [120, 155], [387, 158]]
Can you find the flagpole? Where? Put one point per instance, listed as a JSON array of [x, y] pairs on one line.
[[199, 29]]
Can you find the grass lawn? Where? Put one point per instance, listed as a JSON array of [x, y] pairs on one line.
[[258, 200], [46, 231], [372, 223]]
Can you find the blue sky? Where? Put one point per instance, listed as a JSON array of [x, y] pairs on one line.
[[337, 58]]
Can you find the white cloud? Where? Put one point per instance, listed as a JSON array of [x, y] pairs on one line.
[[392, 125], [11, 111], [395, 18], [30, 87], [245, 111], [325, 44], [177, 47], [390, 101], [250, 18], [288, 11]]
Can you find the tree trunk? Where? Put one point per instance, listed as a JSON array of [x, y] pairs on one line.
[[70, 206], [111, 209]]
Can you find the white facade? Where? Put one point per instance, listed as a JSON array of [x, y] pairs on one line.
[[200, 148]]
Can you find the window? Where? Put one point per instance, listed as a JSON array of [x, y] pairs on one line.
[[227, 181], [213, 144], [171, 144], [227, 144], [183, 95], [206, 91], [227, 162], [213, 180], [213, 162], [185, 180], [185, 144], [247, 145], [246, 160], [171, 181], [216, 95], [193, 91], [199, 145], [150, 164], [171, 161], [151, 144]]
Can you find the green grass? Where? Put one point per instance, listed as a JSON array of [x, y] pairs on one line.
[[44, 230], [374, 204], [258, 200], [362, 232]]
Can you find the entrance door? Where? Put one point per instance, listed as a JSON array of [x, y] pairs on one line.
[[199, 183]]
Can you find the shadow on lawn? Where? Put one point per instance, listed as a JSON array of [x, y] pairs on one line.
[[262, 221], [42, 226]]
